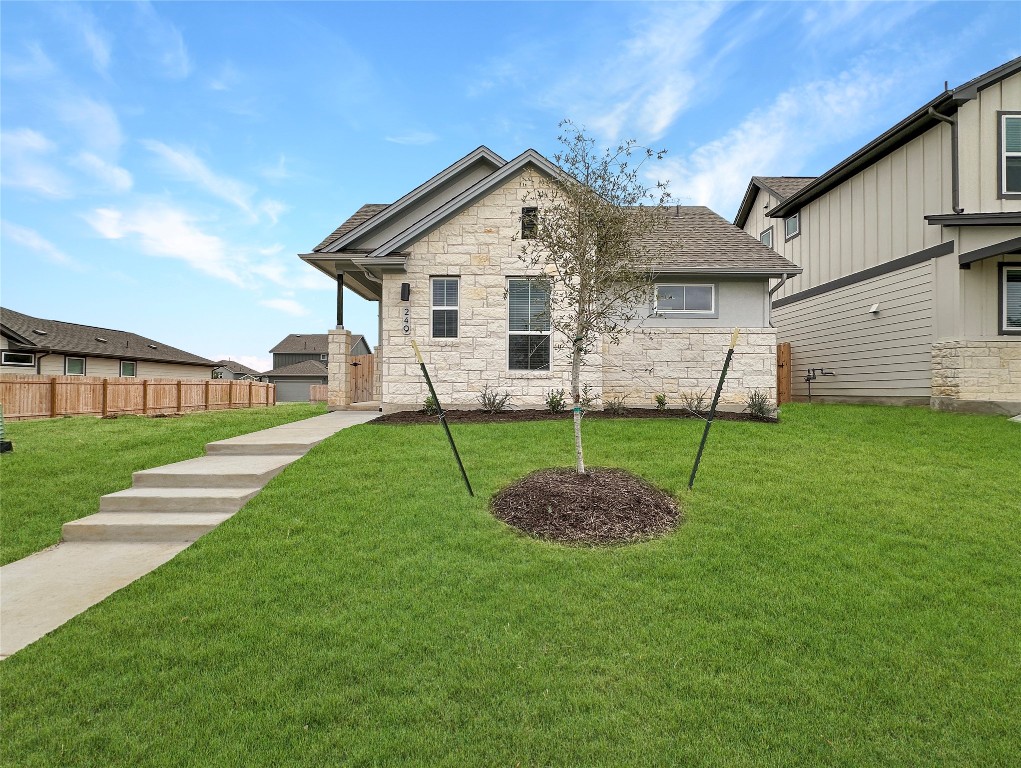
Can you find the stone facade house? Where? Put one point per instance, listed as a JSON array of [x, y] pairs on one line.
[[32, 345], [443, 264], [911, 256]]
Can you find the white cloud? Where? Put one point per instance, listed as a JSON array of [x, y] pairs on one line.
[[111, 175], [32, 240], [852, 24], [161, 230], [289, 306], [277, 172], [273, 209], [84, 23], [34, 65], [25, 167], [779, 138], [413, 138], [163, 41], [188, 166], [96, 123]]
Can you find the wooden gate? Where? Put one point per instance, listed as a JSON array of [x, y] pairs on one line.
[[362, 369], [783, 373]]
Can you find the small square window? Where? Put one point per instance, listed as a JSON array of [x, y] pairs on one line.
[[792, 226], [444, 307], [19, 358], [529, 223], [74, 366], [324, 358], [766, 238], [128, 368]]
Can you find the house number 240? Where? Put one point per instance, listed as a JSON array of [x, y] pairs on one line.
[[406, 320]]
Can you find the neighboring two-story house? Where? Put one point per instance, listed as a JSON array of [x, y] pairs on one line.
[[911, 256], [443, 263], [299, 361], [32, 345]]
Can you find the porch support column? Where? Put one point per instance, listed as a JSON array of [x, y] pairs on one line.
[[338, 392], [340, 299]]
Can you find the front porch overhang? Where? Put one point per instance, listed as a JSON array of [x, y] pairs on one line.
[[990, 251], [362, 274]]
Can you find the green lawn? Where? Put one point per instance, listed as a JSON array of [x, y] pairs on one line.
[[845, 590], [60, 467]]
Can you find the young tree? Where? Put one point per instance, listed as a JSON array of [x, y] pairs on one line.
[[589, 234]]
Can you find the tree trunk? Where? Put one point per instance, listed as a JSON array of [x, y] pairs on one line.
[[576, 394]]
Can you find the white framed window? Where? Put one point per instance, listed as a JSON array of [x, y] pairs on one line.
[[324, 358], [1010, 299], [1010, 154], [19, 358], [128, 368], [528, 325], [766, 237], [217, 374], [792, 226], [444, 307], [74, 366], [687, 298], [529, 222]]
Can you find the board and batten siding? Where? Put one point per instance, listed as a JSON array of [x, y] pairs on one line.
[[979, 127], [884, 355]]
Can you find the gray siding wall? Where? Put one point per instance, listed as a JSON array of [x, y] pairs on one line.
[[979, 128], [886, 355], [282, 359]]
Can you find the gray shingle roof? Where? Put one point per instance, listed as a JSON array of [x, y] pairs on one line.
[[785, 186], [236, 367], [90, 340], [298, 343], [694, 238], [304, 368], [364, 213]]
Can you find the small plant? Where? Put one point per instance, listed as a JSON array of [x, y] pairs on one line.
[[494, 401], [695, 402], [661, 401], [615, 406], [588, 400], [760, 405], [431, 406], [556, 402]]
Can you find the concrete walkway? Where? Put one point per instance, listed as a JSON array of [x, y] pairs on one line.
[[139, 529]]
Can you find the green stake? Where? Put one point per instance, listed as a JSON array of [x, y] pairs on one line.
[[712, 410]]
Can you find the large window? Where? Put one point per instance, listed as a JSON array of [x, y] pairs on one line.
[[74, 366], [19, 358], [528, 326], [1010, 154], [1010, 304], [444, 307], [690, 298], [792, 226], [128, 368]]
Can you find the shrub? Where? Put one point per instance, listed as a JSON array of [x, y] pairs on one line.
[[556, 402], [615, 406], [431, 406], [494, 401], [760, 405], [588, 400], [695, 402], [661, 401]]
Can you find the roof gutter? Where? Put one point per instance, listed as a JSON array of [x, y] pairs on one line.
[[955, 171]]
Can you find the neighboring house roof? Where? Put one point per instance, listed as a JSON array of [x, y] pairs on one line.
[[697, 239], [299, 343], [304, 369], [913, 125], [235, 367], [780, 187], [72, 338]]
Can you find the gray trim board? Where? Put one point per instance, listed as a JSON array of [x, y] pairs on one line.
[[867, 274], [1005, 219], [996, 249]]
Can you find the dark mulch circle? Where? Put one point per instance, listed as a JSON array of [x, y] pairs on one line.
[[479, 416], [602, 506]]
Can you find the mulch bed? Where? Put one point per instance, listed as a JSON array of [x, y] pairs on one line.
[[479, 416], [603, 506]]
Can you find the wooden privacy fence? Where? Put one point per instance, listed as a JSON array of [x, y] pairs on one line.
[[319, 393], [37, 397], [783, 373]]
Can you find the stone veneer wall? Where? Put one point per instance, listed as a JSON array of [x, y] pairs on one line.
[[477, 246], [977, 375], [679, 360], [338, 393]]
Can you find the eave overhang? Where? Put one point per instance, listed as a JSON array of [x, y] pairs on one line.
[[990, 251], [1007, 219], [362, 274], [677, 269]]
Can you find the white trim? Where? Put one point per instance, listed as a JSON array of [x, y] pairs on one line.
[[5, 362], [84, 368], [705, 312], [796, 218], [1004, 154], [1003, 308], [134, 370], [548, 333], [767, 231], [456, 306]]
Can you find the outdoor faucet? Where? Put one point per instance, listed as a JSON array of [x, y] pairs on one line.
[[813, 374]]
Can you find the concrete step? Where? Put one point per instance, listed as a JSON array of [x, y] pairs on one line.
[[143, 526], [187, 500], [219, 471], [294, 449]]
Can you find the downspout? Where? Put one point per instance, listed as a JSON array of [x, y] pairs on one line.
[[955, 173], [769, 300], [39, 362]]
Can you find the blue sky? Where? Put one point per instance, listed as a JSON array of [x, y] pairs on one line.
[[163, 163]]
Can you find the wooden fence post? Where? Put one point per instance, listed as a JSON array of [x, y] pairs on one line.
[[249, 393], [180, 404], [105, 396], [53, 396], [145, 397], [206, 402]]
